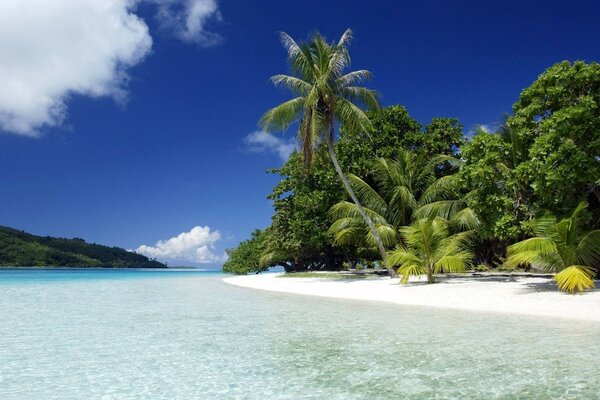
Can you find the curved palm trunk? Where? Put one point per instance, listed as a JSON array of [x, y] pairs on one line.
[[361, 210]]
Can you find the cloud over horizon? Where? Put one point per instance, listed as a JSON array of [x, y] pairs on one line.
[[196, 246], [261, 142], [50, 51]]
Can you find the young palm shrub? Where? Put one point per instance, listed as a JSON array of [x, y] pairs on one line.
[[325, 94], [563, 247], [430, 248]]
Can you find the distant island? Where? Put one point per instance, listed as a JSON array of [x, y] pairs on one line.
[[22, 249]]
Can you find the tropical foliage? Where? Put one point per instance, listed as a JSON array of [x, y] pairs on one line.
[[245, 258], [383, 185], [400, 187], [561, 246], [428, 247]]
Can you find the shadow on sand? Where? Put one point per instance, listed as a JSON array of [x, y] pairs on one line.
[[548, 285]]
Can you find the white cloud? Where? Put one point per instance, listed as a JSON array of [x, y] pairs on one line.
[[196, 246], [188, 19], [260, 141], [51, 50]]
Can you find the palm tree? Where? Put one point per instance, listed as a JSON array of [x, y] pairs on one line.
[[561, 246], [405, 188], [429, 248], [325, 95]]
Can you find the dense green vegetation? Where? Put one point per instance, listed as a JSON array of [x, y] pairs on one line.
[[423, 200], [21, 249], [245, 258], [561, 246]]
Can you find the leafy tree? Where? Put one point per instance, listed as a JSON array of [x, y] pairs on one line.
[[557, 119], [392, 130], [387, 135], [561, 246], [500, 199], [430, 248], [324, 95], [245, 258], [441, 136], [544, 156], [297, 237]]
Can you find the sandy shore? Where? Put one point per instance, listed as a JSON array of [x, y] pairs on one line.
[[523, 295]]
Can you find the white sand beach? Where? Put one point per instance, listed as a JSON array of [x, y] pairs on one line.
[[516, 295]]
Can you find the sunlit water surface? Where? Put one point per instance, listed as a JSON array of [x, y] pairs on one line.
[[187, 335]]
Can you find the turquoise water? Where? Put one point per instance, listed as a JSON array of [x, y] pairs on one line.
[[117, 334]]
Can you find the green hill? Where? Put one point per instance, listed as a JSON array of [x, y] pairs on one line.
[[21, 249]]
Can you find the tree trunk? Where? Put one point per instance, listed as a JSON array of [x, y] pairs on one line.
[[361, 210], [430, 277]]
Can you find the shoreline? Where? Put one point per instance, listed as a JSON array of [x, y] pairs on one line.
[[533, 296]]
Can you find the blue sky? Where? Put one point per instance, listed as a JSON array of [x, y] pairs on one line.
[[143, 131]]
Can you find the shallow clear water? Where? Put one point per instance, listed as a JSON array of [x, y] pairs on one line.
[[184, 335]]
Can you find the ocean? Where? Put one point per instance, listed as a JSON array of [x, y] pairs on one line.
[[138, 334]]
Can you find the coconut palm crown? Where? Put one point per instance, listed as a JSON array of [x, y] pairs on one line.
[[561, 246], [324, 93]]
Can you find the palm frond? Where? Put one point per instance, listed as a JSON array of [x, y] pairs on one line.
[[430, 166], [367, 195], [388, 235], [458, 242], [441, 188], [292, 48], [575, 278], [408, 270], [402, 202], [576, 214], [295, 85], [454, 263], [351, 117], [282, 116], [543, 262], [442, 208], [541, 245], [346, 209], [343, 223], [465, 219], [353, 77], [350, 236], [345, 38], [340, 57], [544, 225], [366, 97], [400, 256], [588, 249]]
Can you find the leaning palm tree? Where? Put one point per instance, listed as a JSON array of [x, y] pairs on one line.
[[430, 247], [563, 247], [403, 189], [325, 96]]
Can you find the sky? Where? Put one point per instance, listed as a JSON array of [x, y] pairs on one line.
[[133, 123]]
